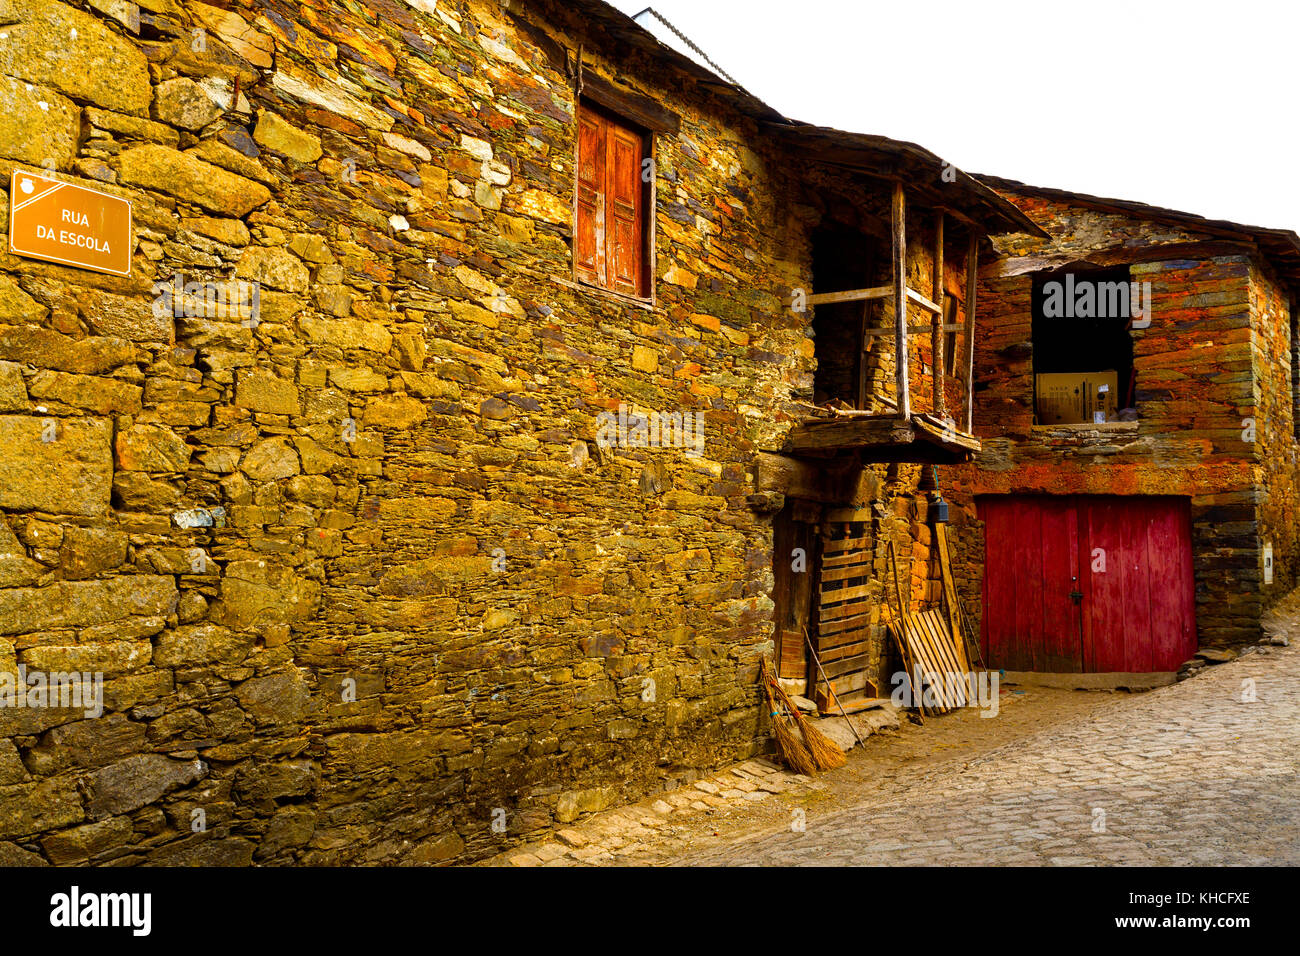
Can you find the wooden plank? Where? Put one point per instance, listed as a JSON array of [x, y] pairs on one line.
[[936, 337], [895, 629], [898, 220], [842, 594], [943, 431], [828, 628], [830, 702], [925, 303], [841, 611], [972, 280], [837, 545], [845, 431], [845, 559], [883, 330], [848, 573], [855, 644], [852, 670], [856, 706], [850, 295]]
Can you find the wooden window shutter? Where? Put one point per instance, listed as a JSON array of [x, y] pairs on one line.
[[624, 219], [589, 232], [609, 231]]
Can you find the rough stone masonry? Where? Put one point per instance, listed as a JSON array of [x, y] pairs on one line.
[[317, 492], [357, 578]]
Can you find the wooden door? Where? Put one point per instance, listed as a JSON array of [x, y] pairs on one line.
[[1087, 583]]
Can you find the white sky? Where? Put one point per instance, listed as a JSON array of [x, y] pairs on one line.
[[1184, 105]]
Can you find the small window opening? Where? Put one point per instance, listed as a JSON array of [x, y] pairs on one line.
[[849, 368], [1082, 347]]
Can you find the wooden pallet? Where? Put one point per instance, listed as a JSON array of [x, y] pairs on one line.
[[942, 661]]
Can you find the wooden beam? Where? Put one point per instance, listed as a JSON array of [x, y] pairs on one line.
[[972, 280], [898, 221], [923, 302], [916, 329], [632, 105], [850, 295], [936, 336]]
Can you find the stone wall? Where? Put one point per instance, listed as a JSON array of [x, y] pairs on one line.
[[1279, 498], [358, 578]]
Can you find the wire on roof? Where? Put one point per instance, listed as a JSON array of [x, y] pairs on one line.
[[687, 40]]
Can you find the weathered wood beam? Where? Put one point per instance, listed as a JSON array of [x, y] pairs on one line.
[[936, 336], [916, 329], [850, 295], [923, 302], [640, 109], [898, 221], [972, 280]]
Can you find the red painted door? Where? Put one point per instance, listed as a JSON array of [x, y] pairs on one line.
[[1087, 583]]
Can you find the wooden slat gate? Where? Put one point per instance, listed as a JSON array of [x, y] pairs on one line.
[[847, 606]]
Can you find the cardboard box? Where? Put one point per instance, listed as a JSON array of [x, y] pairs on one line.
[[1067, 398]]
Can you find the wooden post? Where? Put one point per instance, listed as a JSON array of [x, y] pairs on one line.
[[936, 334], [898, 215], [972, 280]]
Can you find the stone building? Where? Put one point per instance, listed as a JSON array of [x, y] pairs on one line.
[[1190, 499], [491, 387]]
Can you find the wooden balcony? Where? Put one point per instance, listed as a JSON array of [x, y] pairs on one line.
[[883, 438], [902, 434]]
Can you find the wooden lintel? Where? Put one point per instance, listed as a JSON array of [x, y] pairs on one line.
[[634, 106], [850, 295], [804, 480]]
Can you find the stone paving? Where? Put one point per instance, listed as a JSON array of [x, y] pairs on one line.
[[1191, 774], [1196, 773]]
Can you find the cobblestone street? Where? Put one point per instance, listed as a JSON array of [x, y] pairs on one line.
[[1189, 774], [1184, 775]]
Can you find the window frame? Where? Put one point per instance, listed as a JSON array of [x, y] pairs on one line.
[[649, 201]]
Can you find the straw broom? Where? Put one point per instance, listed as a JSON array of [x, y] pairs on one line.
[[826, 755], [793, 752]]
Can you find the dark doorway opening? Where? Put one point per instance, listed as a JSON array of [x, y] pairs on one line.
[[844, 259]]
